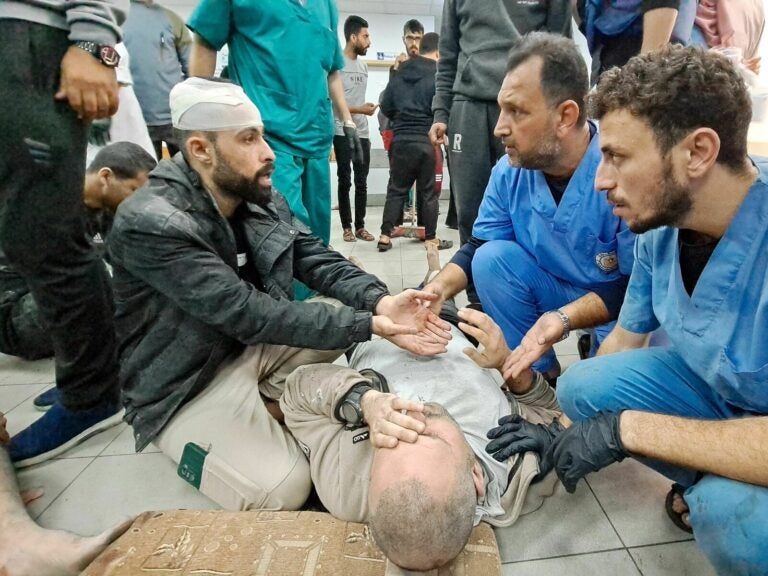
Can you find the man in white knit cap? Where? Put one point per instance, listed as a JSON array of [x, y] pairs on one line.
[[204, 259]]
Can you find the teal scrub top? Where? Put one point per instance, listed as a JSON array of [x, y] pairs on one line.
[[281, 52], [721, 330]]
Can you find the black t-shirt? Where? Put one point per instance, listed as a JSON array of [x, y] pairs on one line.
[[695, 251], [245, 268]]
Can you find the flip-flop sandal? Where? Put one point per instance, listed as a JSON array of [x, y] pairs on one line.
[[384, 246], [441, 244], [348, 236], [677, 518], [363, 234]]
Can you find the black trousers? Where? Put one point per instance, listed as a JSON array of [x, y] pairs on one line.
[[473, 152], [344, 167], [42, 216], [411, 158], [163, 133]]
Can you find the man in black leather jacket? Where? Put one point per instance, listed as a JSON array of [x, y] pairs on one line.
[[204, 260]]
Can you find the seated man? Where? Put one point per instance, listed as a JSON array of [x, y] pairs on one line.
[[425, 477], [26, 549], [115, 173], [204, 260], [675, 166], [546, 254]]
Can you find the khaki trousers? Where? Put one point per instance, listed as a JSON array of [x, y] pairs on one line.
[[253, 460]]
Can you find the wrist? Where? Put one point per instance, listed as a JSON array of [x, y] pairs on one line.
[[383, 305], [627, 420], [565, 321], [366, 400]]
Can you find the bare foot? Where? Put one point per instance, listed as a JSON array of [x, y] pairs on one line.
[[681, 508], [34, 551]]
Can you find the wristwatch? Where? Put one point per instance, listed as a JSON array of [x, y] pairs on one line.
[[107, 55], [349, 409], [564, 319]]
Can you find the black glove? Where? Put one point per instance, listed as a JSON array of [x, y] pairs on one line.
[[514, 435], [355, 147], [587, 446]]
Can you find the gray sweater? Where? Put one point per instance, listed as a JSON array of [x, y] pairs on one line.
[[94, 20], [475, 39]]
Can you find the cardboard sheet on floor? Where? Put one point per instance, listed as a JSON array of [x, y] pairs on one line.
[[260, 543]]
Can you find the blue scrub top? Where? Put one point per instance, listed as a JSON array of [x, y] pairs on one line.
[[281, 53], [721, 330], [579, 241]]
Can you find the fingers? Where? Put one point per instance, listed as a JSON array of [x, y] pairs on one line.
[[413, 295], [409, 405], [506, 424], [476, 333], [477, 357]]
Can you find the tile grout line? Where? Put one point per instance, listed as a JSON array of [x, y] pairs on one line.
[[574, 555], [93, 459]]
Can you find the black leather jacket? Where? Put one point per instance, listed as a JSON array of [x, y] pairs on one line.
[[182, 308]]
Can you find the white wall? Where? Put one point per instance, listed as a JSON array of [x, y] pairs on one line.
[[386, 36]]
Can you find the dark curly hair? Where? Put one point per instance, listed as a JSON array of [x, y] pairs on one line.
[[677, 90]]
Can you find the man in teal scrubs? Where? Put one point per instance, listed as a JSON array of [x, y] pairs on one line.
[[286, 56]]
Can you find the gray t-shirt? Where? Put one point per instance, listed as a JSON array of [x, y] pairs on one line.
[[472, 395], [354, 76]]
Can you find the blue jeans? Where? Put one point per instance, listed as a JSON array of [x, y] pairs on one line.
[[729, 518], [514, 290]]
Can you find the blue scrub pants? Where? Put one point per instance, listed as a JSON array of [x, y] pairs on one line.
[[514, 290], [729, 518], [306, 185]]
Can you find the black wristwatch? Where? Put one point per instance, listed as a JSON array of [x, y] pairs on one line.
[[107, 55], [349, 409]]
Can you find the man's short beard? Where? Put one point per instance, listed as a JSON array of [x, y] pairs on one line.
[[673, 203], [545, 156], [360, 51], [230, 182]]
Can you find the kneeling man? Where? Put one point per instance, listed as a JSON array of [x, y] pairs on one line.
[[674, 140], [204, 260]]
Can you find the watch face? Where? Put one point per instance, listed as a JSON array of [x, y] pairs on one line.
[[109, 56], [349, 413]]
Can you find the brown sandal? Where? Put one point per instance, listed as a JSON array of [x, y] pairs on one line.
[[363, 234], [349, 236]]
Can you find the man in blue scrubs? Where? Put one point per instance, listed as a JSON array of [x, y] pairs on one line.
[[546, 253], [286, 56], [675, 166]]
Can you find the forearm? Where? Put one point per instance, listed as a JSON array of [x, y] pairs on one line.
[[730, 448], [336, 93], [11, 506], [202, 59], [657, 28], [620, 340], [587, 311], [450, 281]]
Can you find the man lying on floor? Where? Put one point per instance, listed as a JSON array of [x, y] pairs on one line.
[[425, 478], [204, 260]]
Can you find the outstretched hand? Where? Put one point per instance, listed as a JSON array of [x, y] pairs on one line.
[[409, 308], [388, 421], [547, 330], [483, 329]]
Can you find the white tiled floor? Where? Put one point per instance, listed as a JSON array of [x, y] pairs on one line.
[[613, 525]]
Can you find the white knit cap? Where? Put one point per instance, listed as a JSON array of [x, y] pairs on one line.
[[200, 104]]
